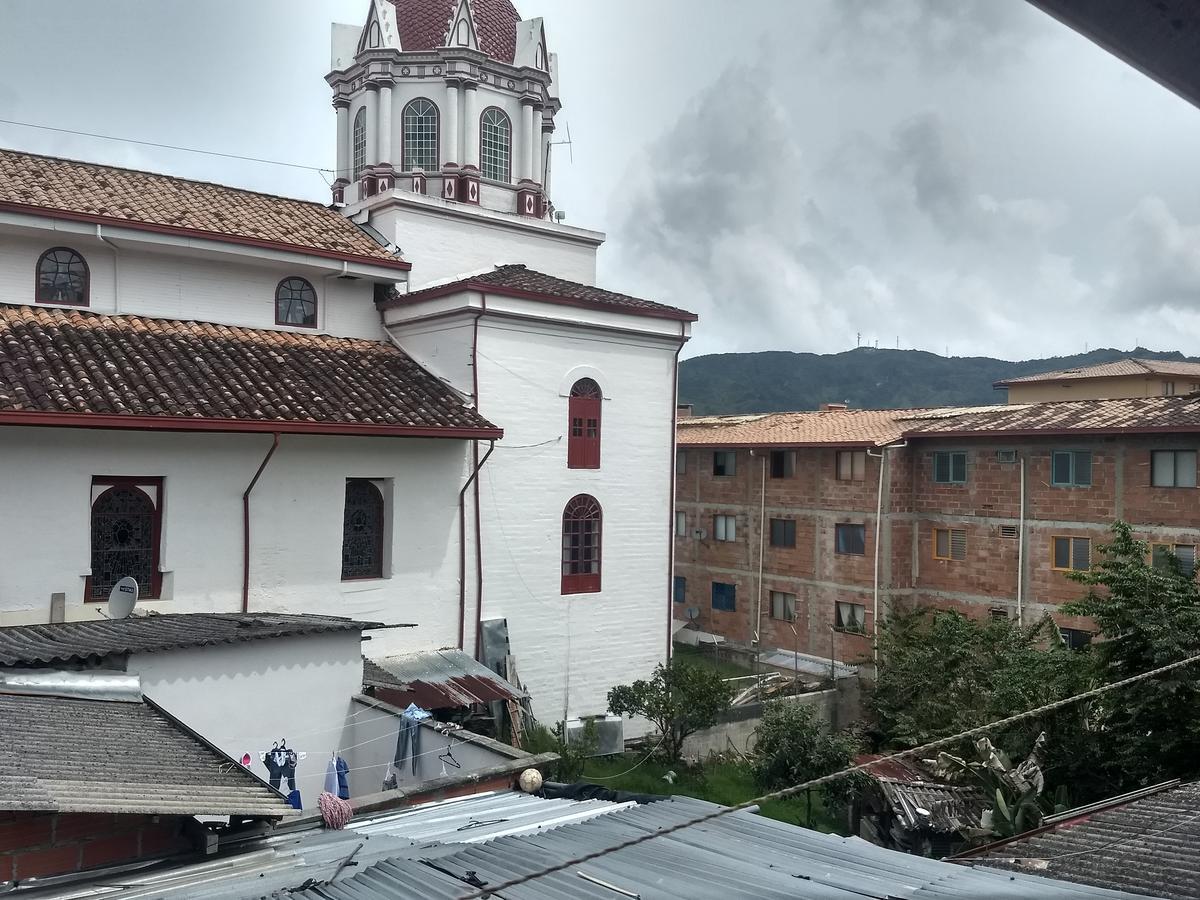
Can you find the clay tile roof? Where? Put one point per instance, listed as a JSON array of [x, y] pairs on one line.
[[67, 188], [520, 281], [1112, 370], [425, 25], [201, 376], [1142, 414], [844, 427]]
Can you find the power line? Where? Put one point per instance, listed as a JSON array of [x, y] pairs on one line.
[[109, 137], [784, 793]]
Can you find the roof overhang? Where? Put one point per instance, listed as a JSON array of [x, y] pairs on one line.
[[35, 418], [1160, 40], [996, 434], [384, 266]]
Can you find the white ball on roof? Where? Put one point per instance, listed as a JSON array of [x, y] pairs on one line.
[[531, 781]]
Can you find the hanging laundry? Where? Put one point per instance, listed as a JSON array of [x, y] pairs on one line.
[[416, 713], [331, 777], [281, 765], [343, 779], [408, 740], [294, 801]]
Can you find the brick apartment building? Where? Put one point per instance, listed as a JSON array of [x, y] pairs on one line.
[[785, 521]]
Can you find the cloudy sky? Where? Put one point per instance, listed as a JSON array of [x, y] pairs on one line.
[[955, 175]]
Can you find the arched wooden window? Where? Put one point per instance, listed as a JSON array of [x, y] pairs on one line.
[[420, 135], [495, 144], [583, 425], [126, 525], [295, 303], [360, 142], [62, 277], [581, 546], [362, 531]]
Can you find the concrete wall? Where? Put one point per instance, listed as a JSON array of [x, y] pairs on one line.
[[244, 697], [157, 282], [296, 525], [986, 506], [1101, 388]]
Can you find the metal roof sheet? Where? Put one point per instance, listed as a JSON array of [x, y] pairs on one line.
[[60, 754], [75, 641], [437, 680]]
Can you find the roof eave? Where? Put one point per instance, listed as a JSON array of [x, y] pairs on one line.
[[52, 213], [1054, 432], [36, 418]]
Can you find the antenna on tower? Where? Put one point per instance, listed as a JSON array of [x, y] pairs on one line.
[[568, 142]]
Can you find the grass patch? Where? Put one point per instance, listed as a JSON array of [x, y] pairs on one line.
[[725, 783], [715, 660]]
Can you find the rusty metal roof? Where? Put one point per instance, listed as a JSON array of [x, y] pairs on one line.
[[924, 805], [438, 679]]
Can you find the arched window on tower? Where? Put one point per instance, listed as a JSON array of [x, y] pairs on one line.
[[583, 425], [62, 277], [360, 143], [581, 545], [374, 38], [420, 135], [495, 144]]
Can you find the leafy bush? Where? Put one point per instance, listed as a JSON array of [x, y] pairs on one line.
[[679, 699], [793, 746]]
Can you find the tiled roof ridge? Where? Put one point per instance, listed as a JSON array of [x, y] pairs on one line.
[[197, 181]]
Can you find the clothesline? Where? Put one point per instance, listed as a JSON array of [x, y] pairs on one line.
[[291, 738]]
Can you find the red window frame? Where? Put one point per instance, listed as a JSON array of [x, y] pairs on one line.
[[583, 425], [109, 483], [582, 527]]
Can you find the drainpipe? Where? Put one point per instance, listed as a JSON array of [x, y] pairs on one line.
[[674, 451], [323, 305], [882, 457], [246, 522], [1021, 549], [116, 267], [762, 521], [462, 553]]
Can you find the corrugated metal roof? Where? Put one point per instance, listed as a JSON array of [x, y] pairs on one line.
[[792, 661], [1147, 845], [74, 641], [922, 804], [739, 856], [438, 680], [97, 756]]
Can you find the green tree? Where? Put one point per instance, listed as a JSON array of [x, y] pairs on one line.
[[1147, 617], [941, 673], [679, 699], [793, 745]]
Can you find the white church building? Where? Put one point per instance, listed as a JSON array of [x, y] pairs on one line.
[[411, 406]]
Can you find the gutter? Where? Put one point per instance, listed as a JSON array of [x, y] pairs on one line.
[[882, 457], [762, 521], [116, 251], [462, 553], [671, 493], [246, 523]]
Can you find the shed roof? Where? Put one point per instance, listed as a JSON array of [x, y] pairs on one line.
[[64, 642], [60, 754], [438, 679], [61, 367], [71, 189], [1146, 844]]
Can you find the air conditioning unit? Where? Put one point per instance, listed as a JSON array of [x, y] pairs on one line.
[[610, 733], [1006, 456], [699, 534]]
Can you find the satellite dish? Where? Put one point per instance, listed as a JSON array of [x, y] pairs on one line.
[[122, 598], [693, 613]]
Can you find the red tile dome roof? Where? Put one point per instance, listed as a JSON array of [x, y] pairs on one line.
[[424, 24]]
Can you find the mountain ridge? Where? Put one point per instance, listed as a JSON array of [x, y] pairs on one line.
[[866, 378]]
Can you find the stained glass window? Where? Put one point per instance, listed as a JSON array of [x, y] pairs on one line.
[[124, 540], [362, 531], [62, 277], [295, 303]]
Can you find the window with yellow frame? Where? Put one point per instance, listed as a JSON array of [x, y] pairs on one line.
[[1070, 554], [949, 543]]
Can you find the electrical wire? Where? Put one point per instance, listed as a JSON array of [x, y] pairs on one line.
[[791, 791], [637, 765], [109, 137]]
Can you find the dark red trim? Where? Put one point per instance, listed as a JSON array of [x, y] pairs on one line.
[[134, 481], [583, 582], [246, 523], [316, 300], [29, 209], [459, 287], [87, 280], [183, 423]]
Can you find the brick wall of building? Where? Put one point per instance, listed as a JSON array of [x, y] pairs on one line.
[[39, 845], [986, 508]]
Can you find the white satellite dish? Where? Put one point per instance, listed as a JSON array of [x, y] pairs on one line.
[[122, 598]]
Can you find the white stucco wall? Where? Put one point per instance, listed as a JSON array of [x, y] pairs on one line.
[[244, 697], [155, 282], [296, 524], [572, 649]]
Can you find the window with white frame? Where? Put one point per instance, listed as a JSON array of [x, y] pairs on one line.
[[1071, 468], [725, 528], [420, 134], [950, 467], [680, 523], [495, 144], [851, 465], [1173, 468], [360, 142], [783, 606]]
